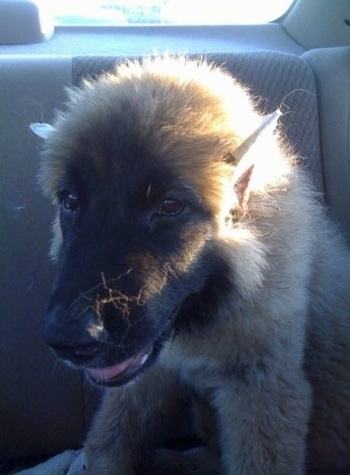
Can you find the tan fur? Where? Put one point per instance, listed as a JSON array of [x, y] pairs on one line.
[[275, 367]]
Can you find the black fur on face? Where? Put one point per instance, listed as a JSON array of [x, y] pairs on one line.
[[136, 251]]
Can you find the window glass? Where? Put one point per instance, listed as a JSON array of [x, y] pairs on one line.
[[163, 12]]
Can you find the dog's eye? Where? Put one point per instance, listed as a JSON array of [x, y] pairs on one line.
[[170, 207], [69, 201]]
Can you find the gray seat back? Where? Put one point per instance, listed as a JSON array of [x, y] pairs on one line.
[[45, 408], [331, 67]]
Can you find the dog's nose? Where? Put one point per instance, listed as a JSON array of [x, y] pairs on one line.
[[72, 338]]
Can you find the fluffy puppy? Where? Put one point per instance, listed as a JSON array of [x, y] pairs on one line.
[[195, 261]]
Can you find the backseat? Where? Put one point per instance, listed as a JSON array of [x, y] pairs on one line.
[[331, 67], [44, 407]]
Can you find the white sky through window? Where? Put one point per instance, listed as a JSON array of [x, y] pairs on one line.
[[180, 12]]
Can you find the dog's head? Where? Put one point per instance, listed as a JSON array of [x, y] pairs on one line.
[[138, 168]]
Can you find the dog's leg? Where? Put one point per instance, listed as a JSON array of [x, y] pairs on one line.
[[131, 422], [263, 425]]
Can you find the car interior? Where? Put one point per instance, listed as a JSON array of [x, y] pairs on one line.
[[299, 63]]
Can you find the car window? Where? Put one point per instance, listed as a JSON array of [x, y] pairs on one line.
[[179, 12]]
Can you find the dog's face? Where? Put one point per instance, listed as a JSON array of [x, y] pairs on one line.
[[136, 169]]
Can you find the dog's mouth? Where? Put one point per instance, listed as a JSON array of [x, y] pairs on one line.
[[125, 371], [121, 373]]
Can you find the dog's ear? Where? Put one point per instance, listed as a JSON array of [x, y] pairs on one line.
[[241, 185], [244, 162], [267, 122], [41, 129]]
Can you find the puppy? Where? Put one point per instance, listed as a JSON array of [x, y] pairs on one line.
[[195, 262]]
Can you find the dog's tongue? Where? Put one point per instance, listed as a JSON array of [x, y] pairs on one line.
[[110, 372]]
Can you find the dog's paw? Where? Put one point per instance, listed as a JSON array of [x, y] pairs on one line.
[[78, 465], [198, 461]]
